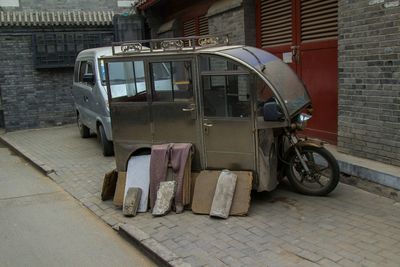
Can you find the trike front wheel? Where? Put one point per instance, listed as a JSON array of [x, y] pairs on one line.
[[323, 171]]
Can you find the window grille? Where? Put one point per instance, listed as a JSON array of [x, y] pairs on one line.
[[196, 26], [59, 49]]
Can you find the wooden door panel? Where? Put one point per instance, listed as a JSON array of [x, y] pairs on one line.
[[319, 73], [309, 29]]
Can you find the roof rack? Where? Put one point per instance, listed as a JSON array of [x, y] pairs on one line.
[[181, 44]]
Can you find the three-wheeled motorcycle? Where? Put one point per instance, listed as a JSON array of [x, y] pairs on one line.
[[239, 106]]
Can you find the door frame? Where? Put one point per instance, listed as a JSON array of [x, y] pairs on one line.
[[202, 117], [299, 46]]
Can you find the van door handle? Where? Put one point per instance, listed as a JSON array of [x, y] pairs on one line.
[[85, 98], [188, 109], [207, 124]]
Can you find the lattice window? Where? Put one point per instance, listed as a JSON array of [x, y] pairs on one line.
[[195, 26], [189, 28], [276, 22], [203, 25], [319, 19], [59, 49]]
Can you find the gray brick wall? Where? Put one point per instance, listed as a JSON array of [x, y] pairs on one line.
[[32, 98], [238, 22], [369, 79], [231, 23]]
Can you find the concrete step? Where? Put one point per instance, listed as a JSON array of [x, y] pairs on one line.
[[374, 171]]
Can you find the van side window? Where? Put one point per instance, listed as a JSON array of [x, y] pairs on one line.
[[85, 68], [82, 70], [127, 81], [172, 81], [89, 68]]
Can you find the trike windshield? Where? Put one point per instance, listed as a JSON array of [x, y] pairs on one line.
[[284, 81]]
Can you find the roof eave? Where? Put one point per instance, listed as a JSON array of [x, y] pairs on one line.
[[145, 4]]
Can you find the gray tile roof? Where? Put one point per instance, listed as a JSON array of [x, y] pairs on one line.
[[54, 18]]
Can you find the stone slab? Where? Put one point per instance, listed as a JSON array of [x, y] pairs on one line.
[[223, 196], [165, 194], [204, 190], [131, 201], [120, 189], [109, 185]]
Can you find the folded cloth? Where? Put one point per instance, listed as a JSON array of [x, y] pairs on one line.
[[158, 169], [178, 158]]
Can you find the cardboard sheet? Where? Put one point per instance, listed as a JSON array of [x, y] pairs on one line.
[[204, 190], [138, 175]]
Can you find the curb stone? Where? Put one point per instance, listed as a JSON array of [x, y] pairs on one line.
[[158, 252], [27, 156], [163, 255], [375, 176]]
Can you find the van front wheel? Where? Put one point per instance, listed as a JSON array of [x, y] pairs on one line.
[[107, 146], [84, 131]]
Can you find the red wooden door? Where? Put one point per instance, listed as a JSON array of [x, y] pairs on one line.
[[305, 33]]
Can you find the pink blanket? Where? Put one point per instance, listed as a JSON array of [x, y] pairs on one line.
[[178, 158], [161, 155], [158, 169]]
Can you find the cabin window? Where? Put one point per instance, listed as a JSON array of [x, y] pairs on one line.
[[263, 94], [226, 96], [171, 81], [127, 81], [225, 88], [208, 63]]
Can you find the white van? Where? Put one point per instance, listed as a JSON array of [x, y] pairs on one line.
[[90, 91], [90, 95]]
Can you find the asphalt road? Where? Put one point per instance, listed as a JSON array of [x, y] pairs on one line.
[[41, 225]]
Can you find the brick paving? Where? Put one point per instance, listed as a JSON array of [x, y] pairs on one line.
[[351, 227]]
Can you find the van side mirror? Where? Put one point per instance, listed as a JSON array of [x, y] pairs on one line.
[[272, 111], [88, 78]]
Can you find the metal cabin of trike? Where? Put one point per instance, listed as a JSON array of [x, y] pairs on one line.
[[199, 90]]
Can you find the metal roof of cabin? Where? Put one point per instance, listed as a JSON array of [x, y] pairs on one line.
[[55, 18]]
